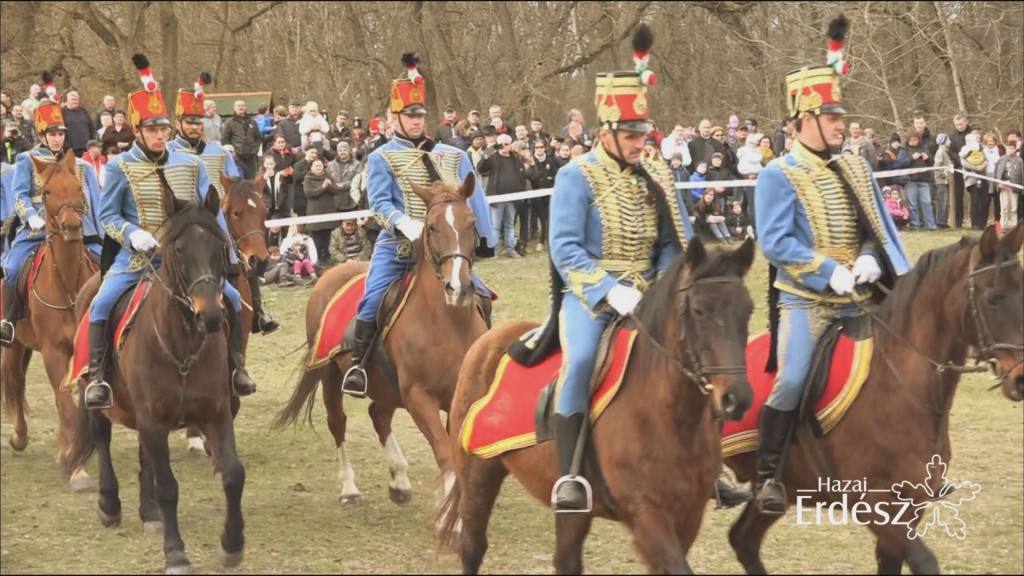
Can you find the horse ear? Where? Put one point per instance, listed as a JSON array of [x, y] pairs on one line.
[[39, 165], [257, 184], [989, 244], [226, 182], [695, 253], [1013, 241], [423, 193], [213, 200], [69, 162], [744, 255], [468, 185]]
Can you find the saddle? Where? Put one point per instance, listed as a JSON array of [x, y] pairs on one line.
[[856, 328], [390, 308]]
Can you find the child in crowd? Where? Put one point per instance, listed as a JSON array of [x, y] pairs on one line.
[[899, 212]]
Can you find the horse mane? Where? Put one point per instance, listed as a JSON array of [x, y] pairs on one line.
[[192, 214], [240, 189], [907, 286]]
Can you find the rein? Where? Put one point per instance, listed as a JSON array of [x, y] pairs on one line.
[[437, 261], [691, 367]]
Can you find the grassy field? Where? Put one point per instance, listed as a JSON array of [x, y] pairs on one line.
[[295, 523]]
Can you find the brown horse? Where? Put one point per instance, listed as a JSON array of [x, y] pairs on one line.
[[965, 296], [427, 341], [49, 322], [245, 213], [172, 371], [657, 444]]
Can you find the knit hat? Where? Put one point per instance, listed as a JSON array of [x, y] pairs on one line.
[[942, 139]]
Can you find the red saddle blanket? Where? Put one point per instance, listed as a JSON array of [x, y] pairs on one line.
[[851, 362], [503, 419], [80, 360], [339, 312], [32, 273]]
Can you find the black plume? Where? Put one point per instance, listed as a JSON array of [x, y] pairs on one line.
[[47, 77], [643, 38], [410, 59], [140, 61], [837, 28], [206, 78]]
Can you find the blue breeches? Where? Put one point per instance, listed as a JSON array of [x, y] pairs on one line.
[[579, 353]]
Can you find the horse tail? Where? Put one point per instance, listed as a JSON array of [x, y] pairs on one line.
[[304, 394], [449, 527], [82, 446], [14, 388]]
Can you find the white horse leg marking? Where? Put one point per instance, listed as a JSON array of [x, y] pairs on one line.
[[399, 465], [442, 494], [347, 476], [449, 217], [195, 444]]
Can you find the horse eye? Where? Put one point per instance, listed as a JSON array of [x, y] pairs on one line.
[[699, 312], [236, 214], [994, 298]]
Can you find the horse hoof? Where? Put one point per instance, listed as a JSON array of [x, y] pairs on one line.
[[177, 563], [218, 477], [230, 559], [153, 528], [399, 496], [81, 483], [108, 521], [350, 499], [19, 443], [185, 569]]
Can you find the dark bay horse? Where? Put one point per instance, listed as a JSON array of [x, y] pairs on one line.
[[965, 296], [427, 341], [657, 443], [245, 213], [171, 372], [49, 322]]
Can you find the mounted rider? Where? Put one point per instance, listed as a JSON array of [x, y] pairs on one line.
[[825, 231], [190, 113], [28, 201], [132, 212], [616, 225], [411, 156]]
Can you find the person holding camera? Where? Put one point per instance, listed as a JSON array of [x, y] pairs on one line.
[[508, 167], [14, 142]]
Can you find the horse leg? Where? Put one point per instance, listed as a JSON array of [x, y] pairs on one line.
[[56, 365], [570, 533], [426, 413], [655, 538], [13, 378], [158, 454], [479, 483], [399, 489], [232, 539], [196, 446], [746, 536], [109, 509], [893, 547], [337, 420], [149, 510]]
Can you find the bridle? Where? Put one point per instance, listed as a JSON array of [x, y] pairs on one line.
[[78, 208], [986, 349], [437, 261], [691, 366]]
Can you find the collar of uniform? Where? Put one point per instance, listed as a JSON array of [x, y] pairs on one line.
[[184, 144], [805, 156], [406, 143], [42, 149], [605, 158]]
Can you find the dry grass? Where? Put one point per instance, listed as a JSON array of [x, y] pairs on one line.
[[290, 529]]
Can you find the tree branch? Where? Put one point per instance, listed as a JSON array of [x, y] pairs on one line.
[[249, 21], [588, 58]]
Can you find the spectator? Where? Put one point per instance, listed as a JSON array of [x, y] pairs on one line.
[[298, 258], [749, 164], [574, 116], [781, 134], [675, 143], [767, 154], [212, 122], [119, 135], [919, 186], [973, 160], [95, 158], [242, 133], [349, 242], [313, 127], [1009, 168], [942, 180], [738, 223], [289, 126], [109, 105], [80, 127], [341, 131], [276, 195], [277, 271], [106, 121], [895, 157], [700, 146], [507, 173], [445, 131], [709, 223], [26, 124], [299, 172], [957, 142], [320, 192], [14, 142], [859, 145], [342, 171], [537, 133], [895, 208], [543, 177]]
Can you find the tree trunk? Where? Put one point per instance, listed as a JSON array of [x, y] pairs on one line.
[[171, 74]]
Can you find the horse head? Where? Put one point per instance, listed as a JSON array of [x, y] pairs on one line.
[[449, 240], [194, 251], [62, 197], [245, 213], [712, 310], [996, 303]]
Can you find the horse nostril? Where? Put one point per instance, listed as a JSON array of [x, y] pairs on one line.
[[729, 402], [1018, 383]]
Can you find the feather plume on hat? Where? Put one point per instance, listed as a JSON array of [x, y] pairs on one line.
[[203, 80], [643, 40], [836, 42], [411, 61], [49, 88], [145, 73]]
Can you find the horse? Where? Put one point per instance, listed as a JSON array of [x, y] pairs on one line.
[[171, 371], [967, 295], [49, 322], [245, 213], [657, 442], [426, 366]]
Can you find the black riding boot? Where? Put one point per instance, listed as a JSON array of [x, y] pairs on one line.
[[729, 494], [9, 318], [260, 321], [97, 393], [570, 493], [773, 436], [241, 383], [355, 378]]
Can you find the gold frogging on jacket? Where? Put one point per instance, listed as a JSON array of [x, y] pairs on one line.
[[407, 166], [147, 189]]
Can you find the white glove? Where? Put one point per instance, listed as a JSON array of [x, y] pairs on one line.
[[142, 241], [842, 281], [623, 298], [410, 228], [36, 223], [866, 270]]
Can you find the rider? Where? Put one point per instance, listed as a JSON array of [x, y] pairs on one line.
[[608, 243], [410, 156], [28, 201], [822, 223], [189, 110], [132, 212]]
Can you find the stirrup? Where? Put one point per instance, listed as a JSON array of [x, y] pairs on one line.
[[4, 341], [110, 396], [571, 479], [351, 391]]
